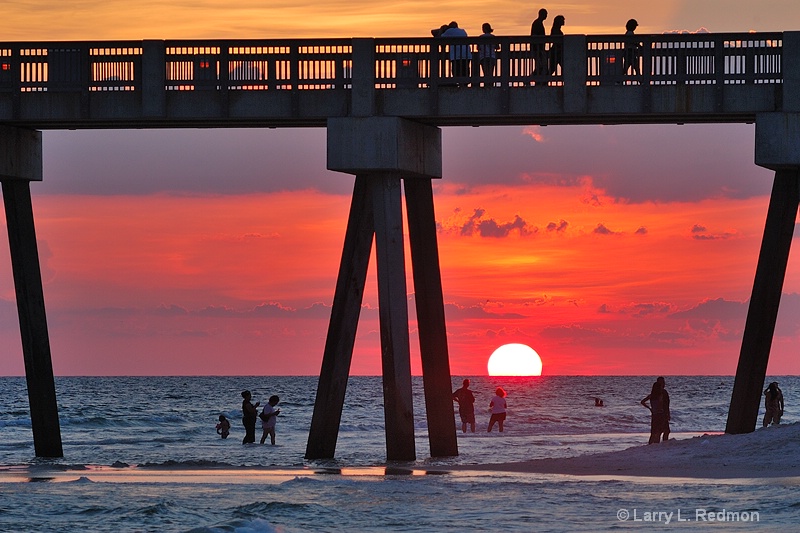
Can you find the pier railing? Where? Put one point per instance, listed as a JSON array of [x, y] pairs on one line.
[[133, 80], [255, 65]]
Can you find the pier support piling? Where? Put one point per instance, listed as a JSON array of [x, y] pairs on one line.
[[381, 151], [777, 148], [21, 163]]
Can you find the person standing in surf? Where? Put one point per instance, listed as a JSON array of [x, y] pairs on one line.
[[466, 406], [773, 404], [498, 409], [269, 416], [249, 415], [659, 411], [223, 427]]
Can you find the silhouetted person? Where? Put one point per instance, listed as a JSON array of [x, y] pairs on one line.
[[466, 406], [632, 49], [667, 416], [773, 403], [659, 409], [437, 32], [249, 415], [498, 408], [557, 47], [538, 51], [460, 54], [487, 53]]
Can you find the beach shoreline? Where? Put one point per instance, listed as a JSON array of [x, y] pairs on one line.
[[772, 452], [710, 456]]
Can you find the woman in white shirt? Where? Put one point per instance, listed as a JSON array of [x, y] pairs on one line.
[[498, 409]]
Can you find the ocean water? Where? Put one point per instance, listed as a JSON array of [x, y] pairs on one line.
[[142, 454]]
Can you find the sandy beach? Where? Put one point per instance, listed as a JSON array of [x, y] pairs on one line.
[[766, 453]]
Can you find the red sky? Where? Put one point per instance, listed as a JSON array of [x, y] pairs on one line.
[[610, 250]]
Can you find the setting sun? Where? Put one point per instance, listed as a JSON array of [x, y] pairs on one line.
[[515, 360]]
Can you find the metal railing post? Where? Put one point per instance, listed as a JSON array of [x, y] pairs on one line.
[[154, 79], [363, 92], [574, 73]]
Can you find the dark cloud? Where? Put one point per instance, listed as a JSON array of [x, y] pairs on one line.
[[647, 309], [558, 228], [601, 229], [489, 227], [718, 309], [713, 237], [171, 310], [469, 226], [458, 312], [641, 230]]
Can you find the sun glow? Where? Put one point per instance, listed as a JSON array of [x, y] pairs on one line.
[[515, 360]]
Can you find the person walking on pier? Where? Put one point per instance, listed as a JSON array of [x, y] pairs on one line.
[[466, 406], [249, 415], [773, 403], [557, 47], [632, 49], [538, 52]]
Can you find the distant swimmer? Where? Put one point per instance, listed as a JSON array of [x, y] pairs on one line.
[[498, 408], [466, 406], [598, 402], [224, 427]]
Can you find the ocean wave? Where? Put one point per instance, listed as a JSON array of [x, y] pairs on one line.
[[256, 525], [191, 463]]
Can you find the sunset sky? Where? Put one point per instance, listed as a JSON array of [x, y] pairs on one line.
[[609, 250]]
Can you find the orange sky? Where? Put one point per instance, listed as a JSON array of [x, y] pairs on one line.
[[611, 250]]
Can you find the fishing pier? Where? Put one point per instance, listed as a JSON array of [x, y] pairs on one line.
[[383, 102]]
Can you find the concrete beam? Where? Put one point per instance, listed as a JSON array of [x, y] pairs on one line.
[[20, 154], [778, 140], [384, 145]]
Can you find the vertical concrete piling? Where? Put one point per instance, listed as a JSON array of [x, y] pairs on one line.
[[381, 151], [21, 163], [777, 148]]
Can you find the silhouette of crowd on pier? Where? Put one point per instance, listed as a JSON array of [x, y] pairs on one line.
[[545, 61]]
